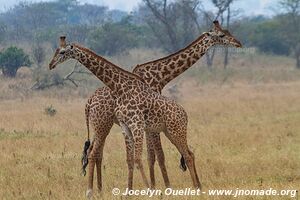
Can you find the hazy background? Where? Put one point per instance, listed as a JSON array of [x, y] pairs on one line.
[[30, 30], [250, 7]]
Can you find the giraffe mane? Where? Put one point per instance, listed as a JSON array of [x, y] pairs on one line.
[[173, 54], [105, 60]]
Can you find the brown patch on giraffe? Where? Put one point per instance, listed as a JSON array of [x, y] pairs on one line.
[[172, 66], [180, 62]]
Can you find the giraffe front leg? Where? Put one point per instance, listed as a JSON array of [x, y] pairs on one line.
[[160, 157], [138, 135], [129, 153], [151, 159], [129, 160]]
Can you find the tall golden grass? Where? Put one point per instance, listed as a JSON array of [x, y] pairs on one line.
[[244, 134]]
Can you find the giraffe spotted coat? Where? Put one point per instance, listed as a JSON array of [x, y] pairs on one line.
[[100, 106]]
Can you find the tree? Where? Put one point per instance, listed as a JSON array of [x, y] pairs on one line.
[[3, 31], [44, 80], [224, 7], [38, 51], [38, 54], [12, 59], [172, 22], [92, 15], [267, 37], [113, 38], [291, 26]]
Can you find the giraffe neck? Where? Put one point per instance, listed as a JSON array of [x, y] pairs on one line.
[[110, 74], [160, 72]]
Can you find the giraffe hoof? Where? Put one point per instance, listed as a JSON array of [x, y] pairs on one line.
[[152, 187], [89, 193]]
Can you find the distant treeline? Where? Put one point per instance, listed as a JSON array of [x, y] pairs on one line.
[[168, 25]]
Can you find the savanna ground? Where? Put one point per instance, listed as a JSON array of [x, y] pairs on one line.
[[244, 129]]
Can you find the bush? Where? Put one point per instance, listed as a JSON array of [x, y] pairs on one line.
[[50, 110], [12, 59]]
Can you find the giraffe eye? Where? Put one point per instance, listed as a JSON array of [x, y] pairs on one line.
[[61, 52], [221, 36]]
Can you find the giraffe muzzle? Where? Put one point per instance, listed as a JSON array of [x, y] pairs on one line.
[[52, 65]]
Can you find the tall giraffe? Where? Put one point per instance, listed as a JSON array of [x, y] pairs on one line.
[[157, 73], [139, 110]]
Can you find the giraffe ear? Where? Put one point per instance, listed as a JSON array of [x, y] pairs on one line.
[[217, 25], [62, 41]]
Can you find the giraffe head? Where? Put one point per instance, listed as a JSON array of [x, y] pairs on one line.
[[63, 52], [222, 36]]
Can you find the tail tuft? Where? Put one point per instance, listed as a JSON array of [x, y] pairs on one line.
[[182, 164], [84, 159]]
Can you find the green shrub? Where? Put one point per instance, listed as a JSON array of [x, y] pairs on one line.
[[12, 59], [50, 110]]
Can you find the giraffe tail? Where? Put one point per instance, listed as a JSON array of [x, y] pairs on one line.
[[84, 159], [87, 116], [182, 164]]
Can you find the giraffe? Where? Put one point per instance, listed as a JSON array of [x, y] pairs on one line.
[[139, 110], [156, 74]]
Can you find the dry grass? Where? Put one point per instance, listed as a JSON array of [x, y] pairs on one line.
[[246, 68], [243, 136], [243, 128]]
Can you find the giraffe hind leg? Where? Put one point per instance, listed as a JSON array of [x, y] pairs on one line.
[[99, 157], [89, 192], [178, 138]]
